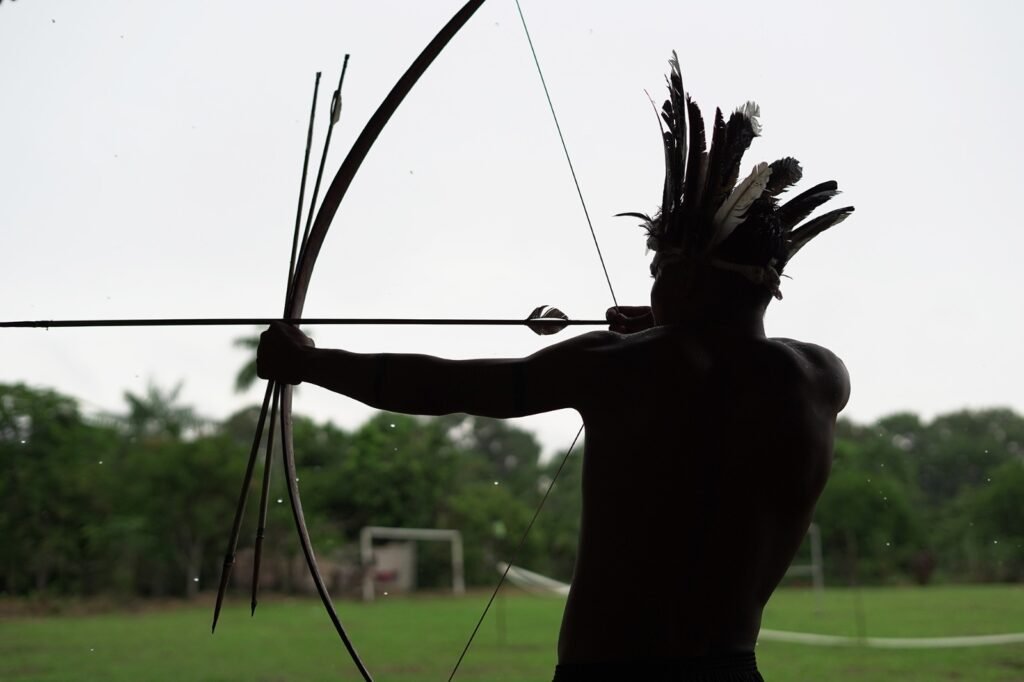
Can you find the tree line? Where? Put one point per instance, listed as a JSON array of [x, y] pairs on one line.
[[139, 503]]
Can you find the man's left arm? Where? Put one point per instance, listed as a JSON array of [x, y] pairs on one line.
[[556, 377]]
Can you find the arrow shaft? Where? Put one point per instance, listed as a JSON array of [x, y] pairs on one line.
[[264, 321]]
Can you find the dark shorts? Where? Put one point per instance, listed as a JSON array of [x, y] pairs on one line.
[[737, 667]]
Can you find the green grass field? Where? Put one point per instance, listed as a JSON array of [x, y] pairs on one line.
[[420, 638]]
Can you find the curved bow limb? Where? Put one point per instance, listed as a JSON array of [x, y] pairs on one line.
[[307, 259], [339, 186], [291, 478]]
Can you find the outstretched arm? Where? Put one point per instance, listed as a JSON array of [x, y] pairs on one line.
[[560, 376]]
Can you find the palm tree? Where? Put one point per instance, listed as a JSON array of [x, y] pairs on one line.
[[155, 414], [246, 376]]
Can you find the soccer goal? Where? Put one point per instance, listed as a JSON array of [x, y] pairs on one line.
[[368, 556]]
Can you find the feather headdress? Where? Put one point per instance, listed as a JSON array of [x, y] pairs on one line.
[[705, 215]]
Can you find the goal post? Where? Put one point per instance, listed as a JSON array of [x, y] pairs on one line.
[[370, 533], [815, 569]]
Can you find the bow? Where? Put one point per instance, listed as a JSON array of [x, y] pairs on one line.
[[298, 286], [296, 298]]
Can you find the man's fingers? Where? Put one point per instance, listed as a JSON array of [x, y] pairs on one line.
[[278, 353], [629, 310], [629, 319], [291, 333]]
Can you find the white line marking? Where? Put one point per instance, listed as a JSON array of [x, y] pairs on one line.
[[891, 642]]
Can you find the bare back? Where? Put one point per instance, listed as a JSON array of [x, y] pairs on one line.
[[704, 458], [705, 454]]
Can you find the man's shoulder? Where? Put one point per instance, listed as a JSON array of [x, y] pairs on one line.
[[780, 365], [823, 369]]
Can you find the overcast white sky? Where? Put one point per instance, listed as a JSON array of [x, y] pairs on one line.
[[150, 155]]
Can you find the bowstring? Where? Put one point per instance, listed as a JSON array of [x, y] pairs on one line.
[[515, 554], [611, 290], [568, 158]]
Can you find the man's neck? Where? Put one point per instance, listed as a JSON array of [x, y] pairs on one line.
[[709, 300], [734, 323]]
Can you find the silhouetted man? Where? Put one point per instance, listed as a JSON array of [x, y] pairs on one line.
[[705, 439]]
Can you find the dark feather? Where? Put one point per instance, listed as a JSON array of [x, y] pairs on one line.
[[652, 228], [802, 205], [758, 239], [808, 231], [673, 164], [739, 133], [677, 96], [666, 147], [666, 193], [696, 165], [674, 114], [786, 172], [629, 214], [713, 176], [674, 175]]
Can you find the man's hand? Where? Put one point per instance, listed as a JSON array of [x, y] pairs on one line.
[[282, 353], [629, 319]]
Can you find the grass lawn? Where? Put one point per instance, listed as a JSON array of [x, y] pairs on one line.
[[420, 638]]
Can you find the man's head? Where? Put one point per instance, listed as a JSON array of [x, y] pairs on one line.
[[717, 242], [688, 293]]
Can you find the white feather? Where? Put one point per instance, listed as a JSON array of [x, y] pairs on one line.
[[752, 111], [734, 209]]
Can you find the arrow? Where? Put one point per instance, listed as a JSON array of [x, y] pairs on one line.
[[264, 321]]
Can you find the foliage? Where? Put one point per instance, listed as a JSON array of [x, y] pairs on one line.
[[993, 538], [140, 503], [56, 490], [869, 528], [941, 493]]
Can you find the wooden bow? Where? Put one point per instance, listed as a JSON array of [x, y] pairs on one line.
[[296, 298], [543, 320]]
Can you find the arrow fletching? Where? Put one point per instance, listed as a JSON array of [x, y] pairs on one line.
[[336, 98], [546, 320]]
